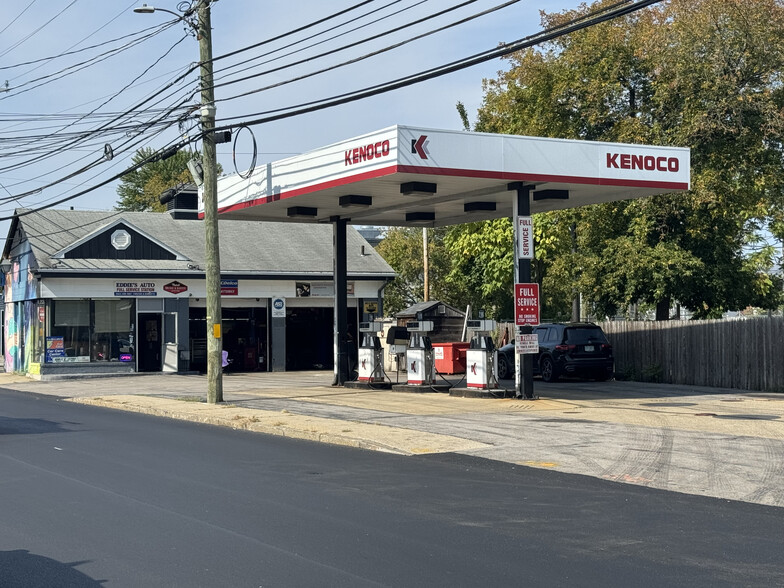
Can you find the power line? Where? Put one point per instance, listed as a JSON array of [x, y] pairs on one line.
[[356, 43], [17, 17], [332, 38], [626, 7], [596, 17], [36, 31], [369, 55]]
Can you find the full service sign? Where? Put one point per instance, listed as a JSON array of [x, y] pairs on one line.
[[526, 304], [525, 237]]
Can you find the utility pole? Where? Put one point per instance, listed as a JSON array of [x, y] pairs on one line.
[[203, 29], [210, 193]]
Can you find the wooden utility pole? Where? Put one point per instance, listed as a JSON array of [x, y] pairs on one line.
[[210, 193]]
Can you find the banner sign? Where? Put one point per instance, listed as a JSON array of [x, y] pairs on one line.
[[526, 304]]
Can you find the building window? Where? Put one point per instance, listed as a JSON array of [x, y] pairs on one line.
[[121, 240], [113, 330], [92, 330], [71, 321]]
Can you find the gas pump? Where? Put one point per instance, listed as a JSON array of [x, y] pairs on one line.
[[480, 356], [371, 354], [420, 364]]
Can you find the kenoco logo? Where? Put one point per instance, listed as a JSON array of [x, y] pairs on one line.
[[646, 162], [367, 152]]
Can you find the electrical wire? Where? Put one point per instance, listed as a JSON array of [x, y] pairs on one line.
[[36, 31], [71, 69], [40, 157], [363, 41], [68, 53], [246, 63], [17, 17], [506, 49], [592, 19], [103, 26], [369, 55]]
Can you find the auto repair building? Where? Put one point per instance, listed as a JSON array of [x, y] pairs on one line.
[[116, 292]]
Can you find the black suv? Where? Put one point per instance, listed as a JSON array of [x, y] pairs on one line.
[[565, 349]]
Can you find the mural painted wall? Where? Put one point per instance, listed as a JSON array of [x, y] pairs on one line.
[[20, 290]]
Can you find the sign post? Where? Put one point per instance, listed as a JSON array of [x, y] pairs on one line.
[[524, 253]]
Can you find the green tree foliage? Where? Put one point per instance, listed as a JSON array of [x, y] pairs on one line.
[[402, 248], [705, 74], [139, 190]]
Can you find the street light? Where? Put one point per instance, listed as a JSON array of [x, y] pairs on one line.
[[203, 29]]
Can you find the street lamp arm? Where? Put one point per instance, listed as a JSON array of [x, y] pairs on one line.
[[184, 16]]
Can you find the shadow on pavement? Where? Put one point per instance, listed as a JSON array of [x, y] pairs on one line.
[[21, 569], [9, 426], [573, 389]]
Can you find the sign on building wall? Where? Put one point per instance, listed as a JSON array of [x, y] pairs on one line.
[[134, 289], [278, 307], [230, 288]]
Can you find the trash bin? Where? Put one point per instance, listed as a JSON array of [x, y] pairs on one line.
[[450, 358]]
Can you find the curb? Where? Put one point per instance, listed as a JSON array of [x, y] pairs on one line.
[[368, 436]]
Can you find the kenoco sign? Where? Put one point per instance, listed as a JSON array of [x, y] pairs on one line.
[[645, 162], [367, 152]]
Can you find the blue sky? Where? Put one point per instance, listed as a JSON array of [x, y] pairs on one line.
[[36, 29]]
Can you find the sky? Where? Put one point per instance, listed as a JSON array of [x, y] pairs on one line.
[[66, 75]]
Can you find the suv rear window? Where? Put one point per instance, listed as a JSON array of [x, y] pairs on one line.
[[582, 335]]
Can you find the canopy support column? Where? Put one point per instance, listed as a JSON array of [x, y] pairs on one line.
[[340, 280]]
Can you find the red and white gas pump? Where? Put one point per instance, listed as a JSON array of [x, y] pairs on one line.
[[481, 358], [371, 354], [420, 364]]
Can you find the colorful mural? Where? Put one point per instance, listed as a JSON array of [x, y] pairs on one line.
[[20, 290]]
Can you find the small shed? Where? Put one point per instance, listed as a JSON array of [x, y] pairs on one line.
[[447, 320]]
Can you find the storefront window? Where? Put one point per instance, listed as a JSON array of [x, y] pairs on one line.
[[85, 330], [71, 330], [113, 331]]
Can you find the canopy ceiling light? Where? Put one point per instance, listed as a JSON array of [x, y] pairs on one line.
[[355, 200], [424, 188], [420, 217], [479, 206], [306, 211], [551, 195]]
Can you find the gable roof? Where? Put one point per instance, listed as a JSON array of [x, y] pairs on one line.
[[246, 247], [101, 239]]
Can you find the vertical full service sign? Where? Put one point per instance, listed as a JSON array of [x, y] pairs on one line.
[[525, 237]]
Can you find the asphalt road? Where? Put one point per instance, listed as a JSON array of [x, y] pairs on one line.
[[95, 497]]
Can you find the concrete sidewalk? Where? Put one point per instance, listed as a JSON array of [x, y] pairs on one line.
[[721, 443]]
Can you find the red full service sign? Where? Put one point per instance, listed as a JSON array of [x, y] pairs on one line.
[[526, 304]]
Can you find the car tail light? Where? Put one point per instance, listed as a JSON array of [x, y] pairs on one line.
[[606, 347], [563, 347]]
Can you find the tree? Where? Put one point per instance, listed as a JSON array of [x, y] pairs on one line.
[[140, 189], [402, 249], [699, 73]]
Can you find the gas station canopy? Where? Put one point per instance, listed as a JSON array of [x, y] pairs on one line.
[[424, 177]]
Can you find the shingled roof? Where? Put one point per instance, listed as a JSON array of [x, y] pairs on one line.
[[252, 248]]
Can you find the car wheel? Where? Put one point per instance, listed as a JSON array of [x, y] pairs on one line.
[[547, 368], [503, 368]]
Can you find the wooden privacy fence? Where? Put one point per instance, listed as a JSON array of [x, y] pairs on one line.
[[730, 353], [747, 354]]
